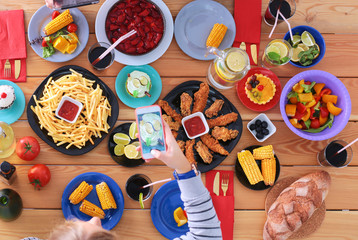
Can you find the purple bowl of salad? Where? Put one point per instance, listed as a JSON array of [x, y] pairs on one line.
[[322, 105]]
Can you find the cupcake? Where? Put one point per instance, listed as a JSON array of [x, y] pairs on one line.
[[260, 89], [138, 84], [7, 96]]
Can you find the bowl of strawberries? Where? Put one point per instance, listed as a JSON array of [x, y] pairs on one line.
[[152, 21]]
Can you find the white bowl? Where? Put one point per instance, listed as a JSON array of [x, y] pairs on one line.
[[79, 104], [136, 60], [202, 117], [270, 126]]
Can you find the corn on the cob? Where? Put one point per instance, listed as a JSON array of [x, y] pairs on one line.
[[268, 167], [216, 35], [80, 193], [59, 22], [105, 196], [91, 209], [250, 167], [263, 152]]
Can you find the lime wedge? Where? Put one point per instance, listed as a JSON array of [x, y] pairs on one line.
[[141, 200], [235, 61], [296, 39], [296, 51], [130, 151], [133, 130], [282, 48], [307, 39], [304, 47], [121, 138], [136, 82], [143, 81], [119, 150], [316, 45]]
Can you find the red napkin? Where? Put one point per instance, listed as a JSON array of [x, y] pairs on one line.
[[12, 43], [247, 15], [224, 206]]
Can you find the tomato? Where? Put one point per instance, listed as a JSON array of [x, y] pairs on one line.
[[55, 14], [72, 27], [315, 123], [44, 43], [324, 112], [39, 175], [27, 148]]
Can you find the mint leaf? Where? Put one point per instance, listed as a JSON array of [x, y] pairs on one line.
[[308, 123], [284, 59], [135, 93], [273, 56]]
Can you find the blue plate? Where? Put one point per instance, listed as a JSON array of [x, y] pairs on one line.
[[194, 23], [131, 101], [71, 211], [164, 202], [43, 16], [13, 113]]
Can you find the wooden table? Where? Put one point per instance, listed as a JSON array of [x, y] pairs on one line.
[[336, 20]]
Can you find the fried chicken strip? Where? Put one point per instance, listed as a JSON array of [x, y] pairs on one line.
[[170, 111], [185, 104], [181, 145], [213, 144], [214, 108], [173, 125], [222, 120], [204, 152], [200, 98], [189, 151], [223, 133]]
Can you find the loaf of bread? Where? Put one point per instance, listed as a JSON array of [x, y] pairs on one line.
[[295, 205]]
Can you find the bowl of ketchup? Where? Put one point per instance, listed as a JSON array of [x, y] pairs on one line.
[[69, 109], [195, 125]]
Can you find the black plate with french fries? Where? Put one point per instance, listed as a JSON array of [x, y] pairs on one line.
[[104, 118], [191, 87], [240, 174]]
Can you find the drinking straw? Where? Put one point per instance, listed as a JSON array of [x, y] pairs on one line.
[[347, 146], [289, 25], [153, 183], [274, 26], [125, 36]]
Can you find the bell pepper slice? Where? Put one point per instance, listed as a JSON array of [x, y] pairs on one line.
[[329, 98], [293, 100], [295, 123], [305, 97], [311, 103], [301, 108], [299, 115], [318, 88], [333, 109], [322, 120], [291, 110], [297, 87], [307, 115], [324, 113]]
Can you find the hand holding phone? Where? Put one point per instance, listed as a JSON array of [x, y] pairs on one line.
[[150, 129]]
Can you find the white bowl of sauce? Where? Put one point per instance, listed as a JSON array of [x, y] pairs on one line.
[[195, 125], [69, 109]]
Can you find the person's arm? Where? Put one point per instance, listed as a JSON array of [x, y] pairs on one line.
[[202, 219]]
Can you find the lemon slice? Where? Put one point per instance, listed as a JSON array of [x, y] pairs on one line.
[[130, 151], [296, 39], [296, 51], [141, 200], [133, 130], [121, 138], [283, 49], [136, 143], [319, 51], [119, 150], [307, 39], [139, 154], [235, 61], [149, 128], [274, 49], [304, 47]]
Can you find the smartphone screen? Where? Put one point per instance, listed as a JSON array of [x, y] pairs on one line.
[[150, 129], [64, 4]]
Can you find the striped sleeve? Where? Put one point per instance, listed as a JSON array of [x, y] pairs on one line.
[[202, 220]]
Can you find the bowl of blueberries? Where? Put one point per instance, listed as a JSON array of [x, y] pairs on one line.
[[261, 127]]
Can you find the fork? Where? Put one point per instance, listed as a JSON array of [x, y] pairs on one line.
[[7, 69], [225, 183]]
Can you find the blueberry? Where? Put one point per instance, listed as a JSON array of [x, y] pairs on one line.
[[252, 127], [259, 136], [257, 82], [264, 124], [265, 131], [258, 129], [258, 122]]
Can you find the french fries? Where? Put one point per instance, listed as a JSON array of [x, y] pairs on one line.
[[90, 123]]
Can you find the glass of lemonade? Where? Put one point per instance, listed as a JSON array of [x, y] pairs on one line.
[[278, 52], [230, 65]]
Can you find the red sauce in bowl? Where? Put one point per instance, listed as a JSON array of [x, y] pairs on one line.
[[68, 110], [140, 15], [194, 126]]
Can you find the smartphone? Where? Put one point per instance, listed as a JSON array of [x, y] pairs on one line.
[[150, 129], [64, 4]]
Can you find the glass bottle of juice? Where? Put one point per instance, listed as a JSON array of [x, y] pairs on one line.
[[7, 140]]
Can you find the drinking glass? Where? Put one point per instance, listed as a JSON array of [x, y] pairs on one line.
[[287, 9], [278, 47], [134, 184], [95, 51], [328, 157]]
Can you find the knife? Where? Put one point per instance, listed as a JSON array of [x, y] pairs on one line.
[[17, 68], [253, 48], [243, 46], [216, 184]]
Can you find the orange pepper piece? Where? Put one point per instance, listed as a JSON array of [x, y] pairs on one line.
[[333, 109], [295, 123], [329, 98]]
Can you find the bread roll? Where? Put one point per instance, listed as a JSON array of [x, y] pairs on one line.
[[295, 205]]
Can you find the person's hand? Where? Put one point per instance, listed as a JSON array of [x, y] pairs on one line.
[[49, 3], [173, 157]]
